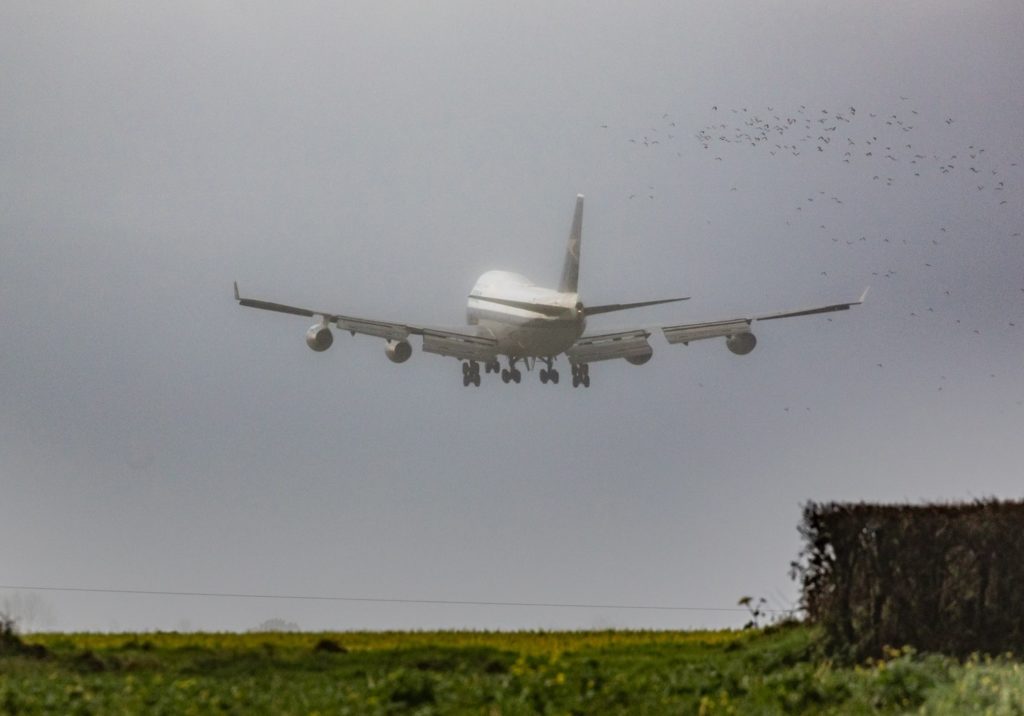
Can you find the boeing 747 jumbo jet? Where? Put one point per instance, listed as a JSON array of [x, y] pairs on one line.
[[511, 316]]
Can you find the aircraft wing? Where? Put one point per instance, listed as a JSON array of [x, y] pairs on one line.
[[442, 341], [633, 344], [697, 331]]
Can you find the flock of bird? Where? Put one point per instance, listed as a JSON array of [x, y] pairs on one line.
[[885, 141], [884, 148]]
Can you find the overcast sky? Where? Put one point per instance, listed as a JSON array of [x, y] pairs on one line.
[[373, 159]]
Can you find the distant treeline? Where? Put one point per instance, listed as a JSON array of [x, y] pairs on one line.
[[939, 577]]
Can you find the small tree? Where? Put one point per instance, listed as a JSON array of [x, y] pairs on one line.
[[9, 641], [757, 611]]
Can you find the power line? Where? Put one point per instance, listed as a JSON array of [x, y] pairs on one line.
[[380, 600]]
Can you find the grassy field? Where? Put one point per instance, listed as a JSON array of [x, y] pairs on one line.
[[751, 672]]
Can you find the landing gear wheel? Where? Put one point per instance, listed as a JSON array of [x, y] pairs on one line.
[[580, 375], [470, 373], [516, 375], [505, 375], [549, 374]]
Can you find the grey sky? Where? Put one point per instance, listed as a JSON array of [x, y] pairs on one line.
[[374, 159]]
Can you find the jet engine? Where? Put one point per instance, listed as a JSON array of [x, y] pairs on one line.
[[642, 357], [741, 343], [398, 351], [319, 337]]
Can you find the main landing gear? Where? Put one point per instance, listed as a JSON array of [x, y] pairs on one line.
[[511, 374], [580, 375], [550, 373], [471, 373]]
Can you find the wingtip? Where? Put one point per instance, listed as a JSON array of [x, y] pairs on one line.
[[237, 297], [864, 295]]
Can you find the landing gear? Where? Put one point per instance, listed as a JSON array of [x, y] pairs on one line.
[[549, 373], [511, 374], [470, 373], [580, 375]]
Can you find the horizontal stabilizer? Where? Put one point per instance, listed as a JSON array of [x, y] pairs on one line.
[[610, 307], [547, 309]]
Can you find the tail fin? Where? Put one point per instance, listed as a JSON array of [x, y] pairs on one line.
[[571, 267]]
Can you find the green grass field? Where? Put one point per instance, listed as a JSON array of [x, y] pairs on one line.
[[752, 672]]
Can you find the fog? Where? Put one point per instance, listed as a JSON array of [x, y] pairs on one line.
[[373, 159]]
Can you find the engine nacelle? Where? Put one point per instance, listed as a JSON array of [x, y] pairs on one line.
[[741, 343], [398, 351], [642, 357], [319, 337]]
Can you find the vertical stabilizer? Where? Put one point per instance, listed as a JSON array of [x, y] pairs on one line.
[[571, 268]]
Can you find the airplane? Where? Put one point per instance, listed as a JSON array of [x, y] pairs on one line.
[[510, 316]]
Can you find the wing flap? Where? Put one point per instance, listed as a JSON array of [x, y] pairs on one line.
[[458, 345], [367, 327], [627, 344], [699, 331]]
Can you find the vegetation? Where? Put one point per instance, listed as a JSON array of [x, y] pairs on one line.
[[944, 577], [769, 671]]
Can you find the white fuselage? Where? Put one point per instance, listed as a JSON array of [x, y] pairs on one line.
[[525, 319]]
